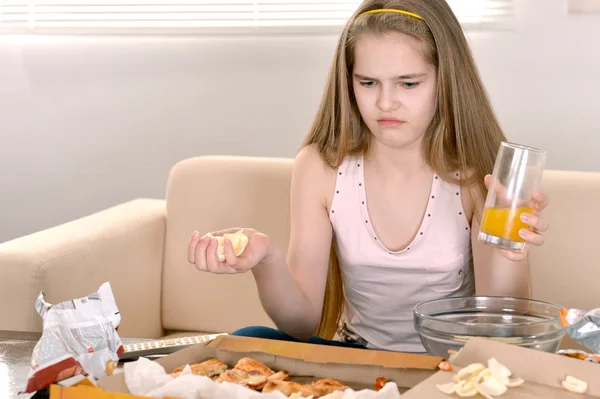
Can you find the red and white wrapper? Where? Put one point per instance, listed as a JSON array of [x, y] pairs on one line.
[[78, 337]]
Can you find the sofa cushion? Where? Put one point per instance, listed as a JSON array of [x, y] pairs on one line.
[[565, 269], [212, 193], [122, 245]]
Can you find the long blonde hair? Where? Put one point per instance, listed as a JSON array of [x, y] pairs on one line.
[[463, 135]]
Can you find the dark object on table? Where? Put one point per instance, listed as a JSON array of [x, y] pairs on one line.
[[42, 394]]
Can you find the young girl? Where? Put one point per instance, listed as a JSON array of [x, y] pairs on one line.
[[387, 191]]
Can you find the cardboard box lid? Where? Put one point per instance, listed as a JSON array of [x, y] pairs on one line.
[[543, 372], [326, 354], [89, 392]]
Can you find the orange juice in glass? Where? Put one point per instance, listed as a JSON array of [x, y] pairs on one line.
[[516, 177]]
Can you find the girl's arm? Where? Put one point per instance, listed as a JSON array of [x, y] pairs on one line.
[[292, 291], [495, 274]]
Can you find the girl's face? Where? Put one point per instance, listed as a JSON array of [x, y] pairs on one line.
[[395, 88]]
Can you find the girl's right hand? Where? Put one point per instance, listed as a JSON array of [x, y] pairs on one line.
[[202, 252]]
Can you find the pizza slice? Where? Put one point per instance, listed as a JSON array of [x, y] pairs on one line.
[[289, 387], [252, 373], [208, 368]]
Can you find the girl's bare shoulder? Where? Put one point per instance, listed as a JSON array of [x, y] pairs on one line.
[[312, 172]]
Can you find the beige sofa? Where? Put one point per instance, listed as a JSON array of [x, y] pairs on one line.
[[141, 246]]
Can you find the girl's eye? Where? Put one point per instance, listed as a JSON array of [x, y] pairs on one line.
[[410, 85], [367, 83]]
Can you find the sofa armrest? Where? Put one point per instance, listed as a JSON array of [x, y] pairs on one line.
[[122, 245]]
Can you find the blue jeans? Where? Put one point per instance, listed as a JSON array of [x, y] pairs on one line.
[[271, 333]]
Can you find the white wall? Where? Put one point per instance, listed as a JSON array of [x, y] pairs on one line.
[[88, 122]]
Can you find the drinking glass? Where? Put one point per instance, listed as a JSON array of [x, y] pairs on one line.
[[516, 177]]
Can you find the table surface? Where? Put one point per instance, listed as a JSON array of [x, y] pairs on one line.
[[15, 355]]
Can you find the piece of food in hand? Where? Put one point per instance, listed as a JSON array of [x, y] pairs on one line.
[[209, 368], [239, 240], [379, 383]]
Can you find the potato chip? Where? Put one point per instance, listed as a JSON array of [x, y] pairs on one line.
[[490, 382], [574, 385], [239, 240]]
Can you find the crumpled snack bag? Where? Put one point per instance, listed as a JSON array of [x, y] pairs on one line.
[[584, 328], [78, 337]]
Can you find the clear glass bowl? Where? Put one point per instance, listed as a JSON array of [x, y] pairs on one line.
[[445, 324]]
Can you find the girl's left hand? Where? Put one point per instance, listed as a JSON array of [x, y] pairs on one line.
[[538, 224]]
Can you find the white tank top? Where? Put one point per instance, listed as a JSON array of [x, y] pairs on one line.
[[382, 287]]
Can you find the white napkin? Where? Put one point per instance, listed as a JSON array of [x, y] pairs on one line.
[[147, 378]]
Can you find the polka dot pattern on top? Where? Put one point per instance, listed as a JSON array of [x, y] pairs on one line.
[[437, 262], [356, 178]]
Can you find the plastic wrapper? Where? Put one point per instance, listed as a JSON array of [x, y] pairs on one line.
[[79, 337], [584, 328]]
